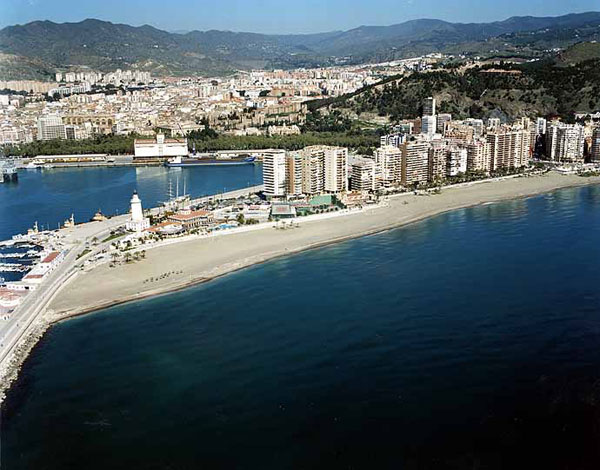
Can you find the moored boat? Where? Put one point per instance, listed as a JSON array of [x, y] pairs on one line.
[[189, 161]]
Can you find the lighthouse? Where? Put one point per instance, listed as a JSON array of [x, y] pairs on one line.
[[137, 222]]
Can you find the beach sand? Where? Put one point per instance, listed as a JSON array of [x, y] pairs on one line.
[[202, 259]]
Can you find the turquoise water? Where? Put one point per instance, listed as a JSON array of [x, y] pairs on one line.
[[469, 340], [51, 196]]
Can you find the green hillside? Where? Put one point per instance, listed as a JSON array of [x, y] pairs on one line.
[[506, 91]]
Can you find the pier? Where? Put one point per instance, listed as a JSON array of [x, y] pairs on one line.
[[8, 171]]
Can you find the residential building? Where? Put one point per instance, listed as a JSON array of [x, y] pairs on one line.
[[363, 174], [510, 147], [429, 107], [456, 161], [50, 127], [274, 173], [429, 125], [313, 178], [415, 162], [389, 164], [565, 142], [595, 153], [442, 120], [478, 155], [293, 168], [336, 169], [438, 160]]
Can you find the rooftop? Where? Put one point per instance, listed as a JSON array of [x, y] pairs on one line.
[[51, 257]]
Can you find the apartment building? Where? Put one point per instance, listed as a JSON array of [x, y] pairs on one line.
[[50, 127], [336, 169], [509, 147], [565, 142], [456, 162], [363, 175], [595, 153], [478, 156], [313, 178], [294, 162], [415, 162], [438, 160], [274, 173], [388, 159]]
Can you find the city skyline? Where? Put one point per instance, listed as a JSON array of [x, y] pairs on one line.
[[270, 17]]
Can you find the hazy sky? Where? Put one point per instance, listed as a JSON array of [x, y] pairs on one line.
[[280, 16]]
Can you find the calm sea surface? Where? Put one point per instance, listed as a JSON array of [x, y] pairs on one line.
[[51, 196], [469, 340]]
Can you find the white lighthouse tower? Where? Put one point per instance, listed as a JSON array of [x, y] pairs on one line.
[[138, 222]]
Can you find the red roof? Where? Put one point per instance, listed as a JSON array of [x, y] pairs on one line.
[[33, 276], [51, 257], [191, 215]]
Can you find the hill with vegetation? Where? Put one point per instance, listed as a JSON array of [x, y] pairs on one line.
[[508, 91], [579, 52], [39, 48]]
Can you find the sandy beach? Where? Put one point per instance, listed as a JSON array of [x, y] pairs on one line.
[[189, 262]]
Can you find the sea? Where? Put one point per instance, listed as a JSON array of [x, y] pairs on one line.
[[469, 340]]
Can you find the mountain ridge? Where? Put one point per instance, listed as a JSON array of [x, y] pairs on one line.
[[105, 45]]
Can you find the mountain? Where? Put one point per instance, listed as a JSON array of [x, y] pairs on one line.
[[43, 46]]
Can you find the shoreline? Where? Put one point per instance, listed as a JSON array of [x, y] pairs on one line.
[[71, 300], [68, 314]]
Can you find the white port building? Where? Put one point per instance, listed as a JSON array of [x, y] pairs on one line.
[[160, 147]]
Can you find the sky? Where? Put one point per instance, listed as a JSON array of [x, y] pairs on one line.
[[280, 16]]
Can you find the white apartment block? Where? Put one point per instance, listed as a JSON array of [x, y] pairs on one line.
[[50, 127], [388, 159], [457, 161], [429, 125], [565, 142], [274, 173], [396, 139], [540, 126], [336, 169]]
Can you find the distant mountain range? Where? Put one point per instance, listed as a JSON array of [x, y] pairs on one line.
[[37, 49]]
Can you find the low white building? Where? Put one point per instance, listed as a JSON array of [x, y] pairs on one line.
[[160, 147]]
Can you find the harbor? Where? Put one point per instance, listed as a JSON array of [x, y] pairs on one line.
[[51, 196]]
